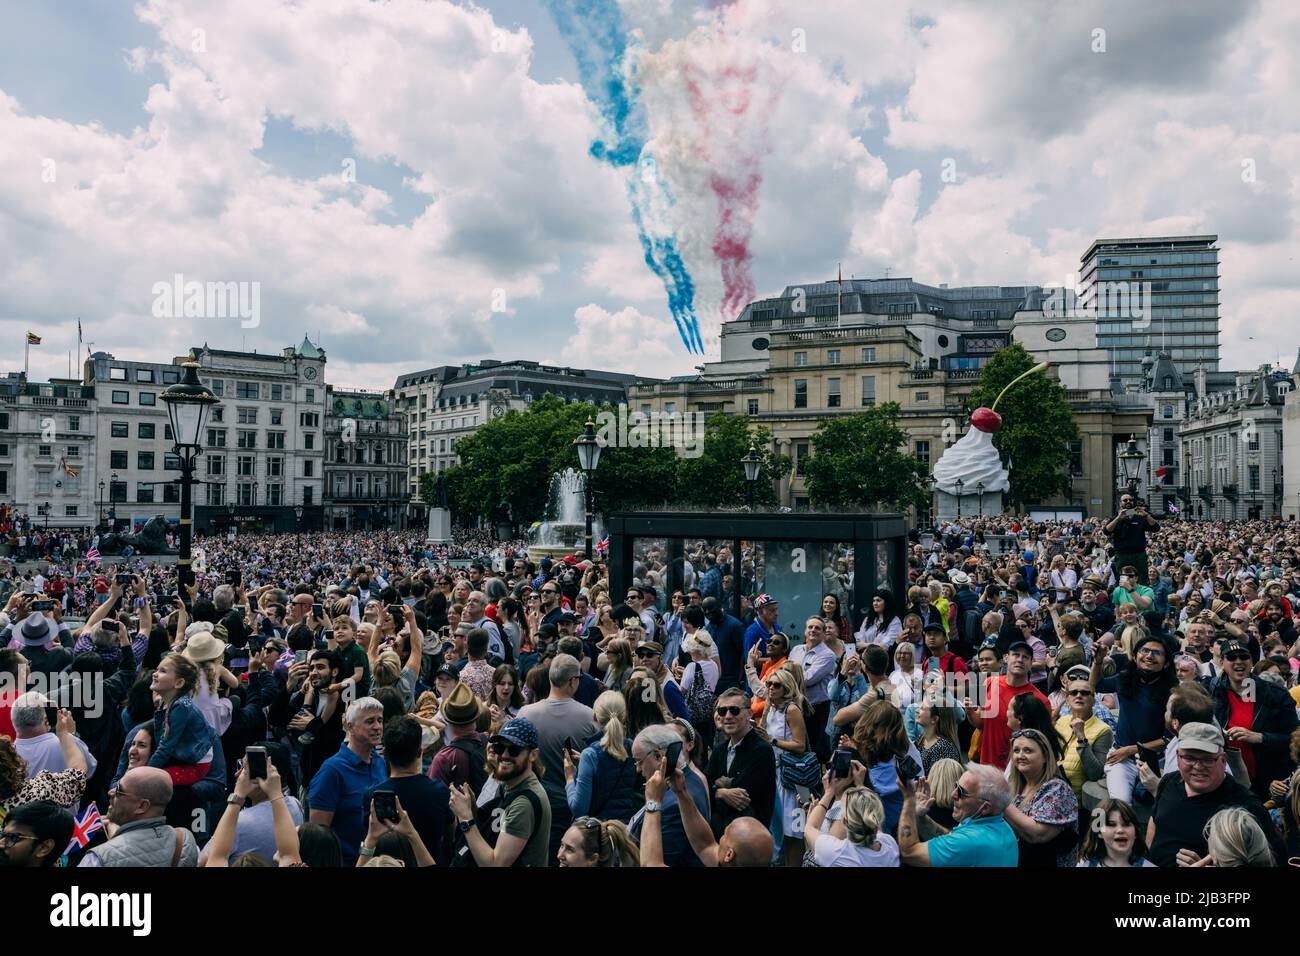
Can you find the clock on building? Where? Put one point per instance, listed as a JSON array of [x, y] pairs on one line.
[[1056, 335], [309, 373], [497, 411]]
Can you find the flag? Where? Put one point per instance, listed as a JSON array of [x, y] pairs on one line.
[[1161, 472], [92, 554], [603, 543], [33, 338], [67, 468], [89, 823], [1173, 508]]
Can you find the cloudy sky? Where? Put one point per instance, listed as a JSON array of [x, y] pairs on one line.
[[414, 183]]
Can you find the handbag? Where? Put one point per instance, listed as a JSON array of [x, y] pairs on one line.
[[799, 770]]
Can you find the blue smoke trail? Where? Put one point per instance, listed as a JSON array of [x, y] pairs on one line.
[[596, 36]]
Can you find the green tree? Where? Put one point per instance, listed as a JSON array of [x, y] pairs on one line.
[[858, 461], [1037, 425], [716, 478]]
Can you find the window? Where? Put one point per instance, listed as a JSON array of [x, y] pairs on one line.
[[117, 491], [832, 393], [276, 415], [218, 414], [216, 438], [670, 408], [1076, 458], [868, 355], [1254, 439], [308, 440], [244, 466], [246, 416], [172, 492], [144, 375], [801, 393], [116, 374], [753, 406], [308, 468], [800, 359], [1169, 434], [4, 482], [274, 467], [4, 449], [144, 460], [311, 396], [275, 439], [147, 430], [69, 511], [171, 461], [275, 494], [216, 466], [117, 459], [218, 387], [4, 420], [216, 494], [170, 378], [1254, 477], [45, 482], [1167, 458], [244, 494], [121, 398], [923, 453], [119, 430], [277, 393], [309, 420], [307, 495], [1167, 411], [833, 356], [245, 439], [73, 451], [922, 397], [800, 454], [74, 423], [144, 491], [45, 451], [248, 390], [868, 391], [148, 398]]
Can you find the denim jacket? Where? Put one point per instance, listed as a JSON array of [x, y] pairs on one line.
[[843, 693], [181, 734]]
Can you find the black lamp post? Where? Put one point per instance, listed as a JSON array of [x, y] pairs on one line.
[[932, 485], [99, 522], [752, 464], [1130, 462], [960, 484], [979, 489], [187, 406], [297, 514], [112, 510], [588, 458]]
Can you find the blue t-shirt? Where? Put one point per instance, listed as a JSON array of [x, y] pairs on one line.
[[729, 635], [676, 846], [756, 633], [1141, 716], [976, 841], [340, 786]]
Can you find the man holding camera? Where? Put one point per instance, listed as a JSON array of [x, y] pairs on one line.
[[1128, 531]]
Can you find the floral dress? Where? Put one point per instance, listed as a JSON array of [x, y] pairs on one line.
[[1054, 803]]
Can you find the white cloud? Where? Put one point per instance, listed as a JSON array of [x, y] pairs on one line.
[[624, 341]]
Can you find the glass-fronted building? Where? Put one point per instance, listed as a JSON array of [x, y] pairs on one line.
[[1159, 293]]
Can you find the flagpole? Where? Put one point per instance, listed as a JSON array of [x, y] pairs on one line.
[[27, 352]]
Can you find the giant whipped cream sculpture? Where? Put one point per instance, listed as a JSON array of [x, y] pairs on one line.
[[974, 460]]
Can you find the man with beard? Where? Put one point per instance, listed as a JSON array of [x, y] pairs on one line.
[[1258, 718], [1186, 801], [1142, 687], [312, 714], [35, 835], [337, 795], [995, 739], [524, 811], [1099, 615]]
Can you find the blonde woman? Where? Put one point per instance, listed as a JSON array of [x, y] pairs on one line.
[[593, 842], [205, 649], [942, 781], [905, 677], [784, 728], [601, 781], [618, 663], [1235, 838], [855, 838], [1044, 812]]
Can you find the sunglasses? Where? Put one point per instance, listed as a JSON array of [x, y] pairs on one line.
[[774, 685], [1028, 732], [633, 597], [549, 591], [960, 792], [1236, 657], [499, 748], [729, 711], [1081, 693], [644, 652]]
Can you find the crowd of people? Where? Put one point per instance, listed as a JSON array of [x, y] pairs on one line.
[[1090, 693]]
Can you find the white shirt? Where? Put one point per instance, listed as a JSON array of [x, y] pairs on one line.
[[818, 663], [832, 851], [710, 670]]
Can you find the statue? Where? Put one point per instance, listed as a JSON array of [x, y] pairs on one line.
[[151, 539]]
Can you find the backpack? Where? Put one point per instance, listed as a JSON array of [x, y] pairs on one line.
[[700, 700], [489, 820], [475, 750]]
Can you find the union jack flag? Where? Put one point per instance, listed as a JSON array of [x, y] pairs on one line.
[[603, 543], [89, 823], [92, 554]]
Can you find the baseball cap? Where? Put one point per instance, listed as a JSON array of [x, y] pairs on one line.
[[446, 670], [1232, 647], [1202, 738], [933, 627], [519, 731], [1019, 646]]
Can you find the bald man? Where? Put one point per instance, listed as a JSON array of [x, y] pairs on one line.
[[141, 835], [746, 842]]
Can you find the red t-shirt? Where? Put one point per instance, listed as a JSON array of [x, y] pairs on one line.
[[1241, 713], [995, 735], [6, 715]]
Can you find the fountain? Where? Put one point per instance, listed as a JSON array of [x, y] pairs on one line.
[[563, 530]]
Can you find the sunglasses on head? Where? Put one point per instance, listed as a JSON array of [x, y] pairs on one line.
[[729, 711], [500, 747]]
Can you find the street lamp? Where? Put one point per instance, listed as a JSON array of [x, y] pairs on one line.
[[588, 458], [932, 484], [112, 510], [297, 514], [960, 484], [1130, 462], [99, 522], [752, 464], [979, 489], [187, 406]]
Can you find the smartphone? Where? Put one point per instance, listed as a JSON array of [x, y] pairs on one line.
[[318, 611], [42, 605], [110, 625], [840, 764], [396, 611], [122, 579], [908, 768], [385, 803], [674, 752], [52, 715], [256, 758], [300, 656], [232, 577]]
